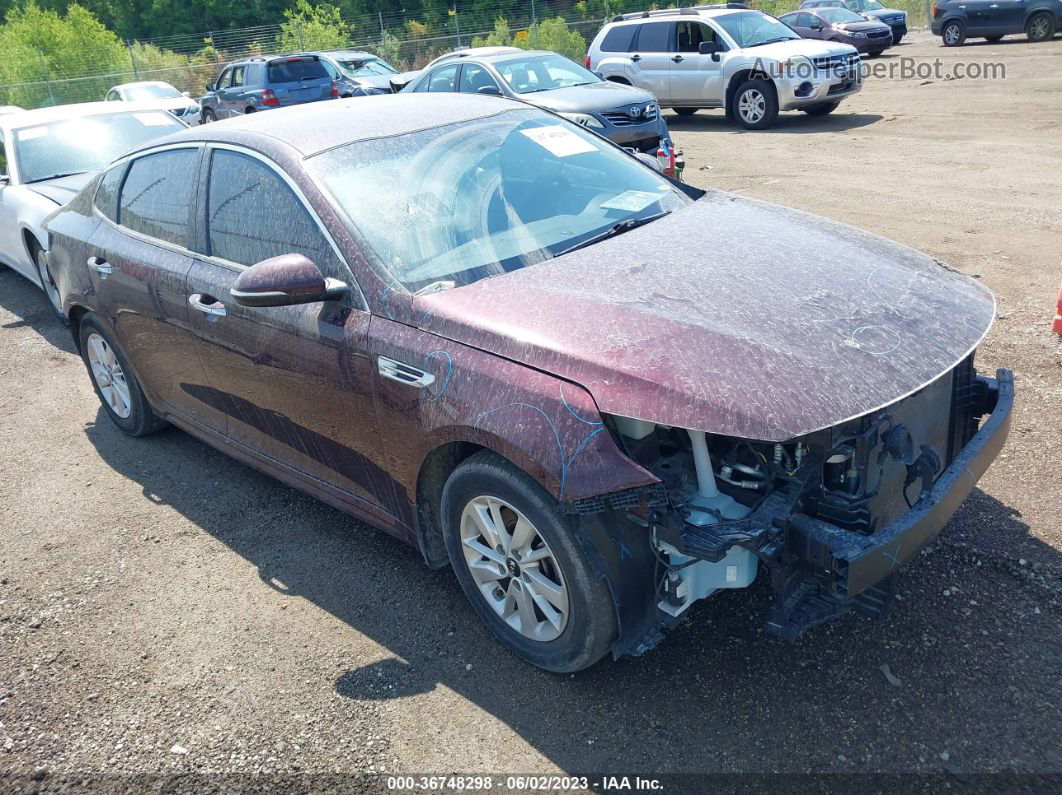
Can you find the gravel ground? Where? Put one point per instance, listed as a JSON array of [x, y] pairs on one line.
[[165, 610]]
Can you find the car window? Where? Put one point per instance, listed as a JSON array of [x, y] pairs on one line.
[[543, 72], [442, 79], [112, 95], [237, 76], [253, 215], [296, 69], [655, 37], [691, 34], [106, 199], [474, 77], [156, 195], [3, 156], [223, 80], [331, 69], [619, 39]]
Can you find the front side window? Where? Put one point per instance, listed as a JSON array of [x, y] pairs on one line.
[[474, 77], [253, 215], [223, 80], [467, 201], [89, 143], [156, 195], [691, 34]]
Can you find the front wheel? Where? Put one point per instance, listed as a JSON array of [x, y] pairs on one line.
[[755, 104], [518, 562], [208, 116], [1041, 27], [953, 34], [48, 283], [821, 110], [114, 382]]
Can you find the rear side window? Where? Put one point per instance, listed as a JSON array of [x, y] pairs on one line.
[[106, 200], [253, 215], [157, 193], [655, 37], [619, 39], [295, 70]]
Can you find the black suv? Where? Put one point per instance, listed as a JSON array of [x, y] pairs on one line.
[[957, 20], [254, 84]]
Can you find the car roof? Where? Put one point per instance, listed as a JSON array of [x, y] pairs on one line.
[[314, 127], [678, 14], [476, 52], [29, 118], [143, 83], [507, 56], [342, 54]]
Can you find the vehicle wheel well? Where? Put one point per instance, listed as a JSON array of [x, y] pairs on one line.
[[434, 471], [32, 244], [76, 313], [740, 77], [248, 109], [622, 80]]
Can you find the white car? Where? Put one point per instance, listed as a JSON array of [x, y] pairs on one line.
[[157, 94], [726, 56], [47, 156]]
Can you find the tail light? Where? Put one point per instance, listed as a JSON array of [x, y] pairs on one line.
[[936, 10], [335, 89], [269, 98], [586, 61]]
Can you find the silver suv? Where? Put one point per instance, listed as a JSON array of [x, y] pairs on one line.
[[726, 56]]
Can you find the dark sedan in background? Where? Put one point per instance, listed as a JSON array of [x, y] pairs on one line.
[[868, 9], [955, 21], [840, 24], [624, 114], [597, 394]]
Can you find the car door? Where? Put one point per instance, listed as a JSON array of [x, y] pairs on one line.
[[695, 79], [231, 96], [651, 58], [1007, 15], [810, 26], [980, 17], [295, 382], [441, 79], [138, 263]]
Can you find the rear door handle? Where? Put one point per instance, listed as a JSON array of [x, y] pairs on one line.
[[208, 305], [99, 264], [677, 59], [636, 58]]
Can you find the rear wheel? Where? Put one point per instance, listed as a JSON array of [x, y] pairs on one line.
[[822, 110], [953, 34], [1040, 27], [208, 116], [114, 382], [685, 111], [518, 562], [897, 39], [755, 104]]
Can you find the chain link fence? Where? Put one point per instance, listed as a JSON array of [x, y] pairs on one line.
[[189, 62]]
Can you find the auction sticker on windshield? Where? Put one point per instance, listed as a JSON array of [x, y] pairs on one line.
[[559, 141], [631, 201]]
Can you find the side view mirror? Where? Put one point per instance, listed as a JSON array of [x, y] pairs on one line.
[[493, 91], [209, 87], [708, 47], [285, 281]]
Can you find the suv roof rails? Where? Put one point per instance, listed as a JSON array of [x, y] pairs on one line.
[[666, 12]]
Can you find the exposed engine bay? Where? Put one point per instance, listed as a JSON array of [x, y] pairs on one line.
[[832, 515]]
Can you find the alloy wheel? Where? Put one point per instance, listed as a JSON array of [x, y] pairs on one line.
[[752, 106], [514, 568], [951, 34], [109, 377], [1038, 28]]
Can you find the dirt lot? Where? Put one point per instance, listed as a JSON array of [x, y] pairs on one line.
[[166, 610]]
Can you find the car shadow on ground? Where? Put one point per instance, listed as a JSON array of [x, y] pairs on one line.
[[788, 122], [719, 695], [30, 306]]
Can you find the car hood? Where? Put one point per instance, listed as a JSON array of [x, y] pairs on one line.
[[862, 27], [729, 316], [809, 48], [592, 98], [383, 82], [63, 189]]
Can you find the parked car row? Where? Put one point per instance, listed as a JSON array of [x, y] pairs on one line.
[[955, 21]]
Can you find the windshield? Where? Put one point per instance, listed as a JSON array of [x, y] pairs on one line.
[[543, 73], [89, 143], [145, 93], [752, 28], [840, 15], [479, 198], [366, 67], [865, 5]]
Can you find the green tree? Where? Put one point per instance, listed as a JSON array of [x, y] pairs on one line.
[[309, 27]]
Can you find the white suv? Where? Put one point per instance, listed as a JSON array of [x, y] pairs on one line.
[[726, 56]]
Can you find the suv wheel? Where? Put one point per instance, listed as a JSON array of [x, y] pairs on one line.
[[953, 34], [1041, 27], [208, 116], [518, 562], [755, 104]]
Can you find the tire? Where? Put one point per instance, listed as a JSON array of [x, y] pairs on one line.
[[1040, 27], [875, 53], [821, 110], [47, 282], [207, 116], [994, 39], [760, 103], [129, 411], [487, 485], [897, 40], [953, 34], [685, 111]]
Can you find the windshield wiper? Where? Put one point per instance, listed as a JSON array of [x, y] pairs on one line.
[[625, 225], [436, 287], [53, 176]]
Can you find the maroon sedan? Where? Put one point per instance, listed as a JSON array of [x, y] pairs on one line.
[[597, 394], [840, 24]]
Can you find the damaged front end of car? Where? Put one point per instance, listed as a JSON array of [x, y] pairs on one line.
[[832, 515]]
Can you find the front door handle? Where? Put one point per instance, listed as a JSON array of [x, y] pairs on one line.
[[99, 264], [208, 305], [677, 59], [636, 58]]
